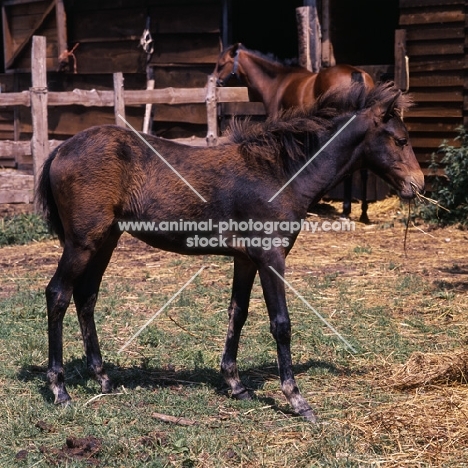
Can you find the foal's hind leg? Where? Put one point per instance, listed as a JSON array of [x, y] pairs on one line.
[[85, 294], [244, 275], [58, 295]]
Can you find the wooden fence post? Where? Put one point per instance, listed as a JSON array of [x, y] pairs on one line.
[[401, 66], [38, 93], [148, 119], [309, 37], [211, 112], [119, 100]]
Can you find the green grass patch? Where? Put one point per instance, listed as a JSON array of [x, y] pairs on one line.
[[22, 229]]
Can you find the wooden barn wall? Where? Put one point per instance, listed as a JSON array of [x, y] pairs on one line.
[[436, 46], [20, 20], [185, 40], [186, 37]]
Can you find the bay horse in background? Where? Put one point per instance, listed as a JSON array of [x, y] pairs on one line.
[[281, 87], [107, 175]]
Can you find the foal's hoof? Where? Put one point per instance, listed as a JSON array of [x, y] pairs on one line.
[[364, 219], [63, 399], [309, 415], [107, 386], [243, 395]]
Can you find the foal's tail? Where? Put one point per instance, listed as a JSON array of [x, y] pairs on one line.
[[45, 199]]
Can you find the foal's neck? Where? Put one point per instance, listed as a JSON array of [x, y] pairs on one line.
[[341, 158]]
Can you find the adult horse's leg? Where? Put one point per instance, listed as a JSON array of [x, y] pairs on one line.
[[58, 295], [244, 275], [364, 205], [85, 294], [280, 327], [347, 196]]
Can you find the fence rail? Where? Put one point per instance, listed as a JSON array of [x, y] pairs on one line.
[[39, 98]]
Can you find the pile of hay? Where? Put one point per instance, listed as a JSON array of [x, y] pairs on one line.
[[431, 369]]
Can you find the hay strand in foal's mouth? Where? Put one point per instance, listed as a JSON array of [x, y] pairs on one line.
[[424, 199], [406, 228]]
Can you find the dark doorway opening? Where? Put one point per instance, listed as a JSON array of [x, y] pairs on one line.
[[265, 26], [362, 31]]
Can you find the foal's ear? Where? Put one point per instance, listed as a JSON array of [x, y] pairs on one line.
[[384, 111], [390, 111]]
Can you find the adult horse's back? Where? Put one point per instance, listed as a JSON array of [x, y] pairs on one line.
[[280, 86], [106, 176]]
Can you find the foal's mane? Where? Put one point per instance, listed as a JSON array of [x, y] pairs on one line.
[[281, 142]]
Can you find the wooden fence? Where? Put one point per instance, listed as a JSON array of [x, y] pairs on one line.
[[39, 98]]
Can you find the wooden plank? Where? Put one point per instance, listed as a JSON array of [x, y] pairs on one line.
[[308, 30], [103, 57], [61, 21], [7, 36], [430, 142], [433, 111], [40, 139], [431, 95], [431, 126], [428, 65], [432, 17], [193, 19], [10, 60], [15, 99], [186, 49], [125, 21], [242, 108], [435, 48], [103, 98], [190, 114], [435, 33], [401, 74], [427, 3], [14, 149], [328, 58], [211, 111], [82, 97], [119, 99], [437, 80], [181, 76]]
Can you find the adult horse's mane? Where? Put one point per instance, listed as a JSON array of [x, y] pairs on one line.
[[281, 141], [270, 57]]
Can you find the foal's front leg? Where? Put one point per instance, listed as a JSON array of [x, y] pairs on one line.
[[280, 327], [244, 275]]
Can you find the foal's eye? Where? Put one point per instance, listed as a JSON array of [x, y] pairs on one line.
[[401, 142]]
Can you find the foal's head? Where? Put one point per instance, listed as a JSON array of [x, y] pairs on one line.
[[387, 148]]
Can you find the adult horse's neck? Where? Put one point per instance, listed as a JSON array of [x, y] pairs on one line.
[[264, 77]]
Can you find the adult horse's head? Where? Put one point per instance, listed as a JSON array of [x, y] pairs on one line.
[[227, 67]]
